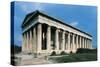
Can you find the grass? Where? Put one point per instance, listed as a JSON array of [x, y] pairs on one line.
[[75, 57]]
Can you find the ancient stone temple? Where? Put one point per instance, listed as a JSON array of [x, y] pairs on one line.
[[43, 34]]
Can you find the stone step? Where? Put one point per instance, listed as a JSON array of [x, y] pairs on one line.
[[41, 60]]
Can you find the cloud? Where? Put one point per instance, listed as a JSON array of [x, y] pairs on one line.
[[38, 6], [24, 8], [75, 23], [30, 7]]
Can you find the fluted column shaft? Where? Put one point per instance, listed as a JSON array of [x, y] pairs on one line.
[[30, 41], [57, 38], [48, 38], [63, 35], [68, 41], [27, 41], [87, 43], [80, 42], [34, 40], [90, 44], [73, 41], [77, 45], [23, 42], [83, 42], [39, 37]]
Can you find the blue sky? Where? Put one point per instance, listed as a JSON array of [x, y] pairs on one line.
[[79, 16]]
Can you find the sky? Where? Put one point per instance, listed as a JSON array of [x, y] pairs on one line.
[[79, 16]]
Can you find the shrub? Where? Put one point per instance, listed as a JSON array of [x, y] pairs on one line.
[[71, 52], [63, 53], [76, 57], [53, 53], [29, 53], [15, 49], [84, 50]]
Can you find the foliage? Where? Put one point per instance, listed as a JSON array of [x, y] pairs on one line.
[[84, 50], [63, 53], [76, 57], [15, 49], [53, 53]]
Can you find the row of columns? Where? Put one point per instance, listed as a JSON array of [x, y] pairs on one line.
[[29, 40], [32, 41]]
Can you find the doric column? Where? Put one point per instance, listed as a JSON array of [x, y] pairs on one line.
[[34, 40], [69, 41], [66, 41], [86, 42], [63, 37], [48, 38], [23, 42], [39, 37], [90, 44], [80, 42], [73, 41], [71, 38], [57, 38], [77, 45], [83, 42], [30, 41], [27, 41]]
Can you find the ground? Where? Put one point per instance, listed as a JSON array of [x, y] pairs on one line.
[[80, 56]]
